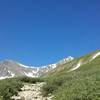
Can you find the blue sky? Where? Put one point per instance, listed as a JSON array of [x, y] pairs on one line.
[[40, 32]]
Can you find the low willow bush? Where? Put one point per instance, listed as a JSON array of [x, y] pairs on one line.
[[52, 85], [9, 87], [30, 80], [79, 89], [76, 86]]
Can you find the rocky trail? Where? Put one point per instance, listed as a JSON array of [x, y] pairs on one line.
[[31, 92]]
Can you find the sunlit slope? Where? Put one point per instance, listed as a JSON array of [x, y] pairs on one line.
[[77, 80], [74, 64]]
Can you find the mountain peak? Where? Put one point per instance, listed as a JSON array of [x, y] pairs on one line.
[[10, 68], [8, 61], [65, 60]]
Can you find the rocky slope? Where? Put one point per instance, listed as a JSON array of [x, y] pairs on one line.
[[31, 92], [10, 68]]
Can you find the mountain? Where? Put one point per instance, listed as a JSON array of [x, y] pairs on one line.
[[68, 79], [75, 63], [10, 68], [78, 79]]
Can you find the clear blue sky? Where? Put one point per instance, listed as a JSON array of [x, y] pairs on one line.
[[40, 32]]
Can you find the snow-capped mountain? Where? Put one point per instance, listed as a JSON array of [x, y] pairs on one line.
[[10, 68], [68, 59]]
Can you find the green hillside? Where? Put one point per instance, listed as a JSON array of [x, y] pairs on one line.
[[78, 79], [80, 84]]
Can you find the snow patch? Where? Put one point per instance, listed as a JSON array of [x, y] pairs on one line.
[[23, 65], [11, 73], [53, 66], [77, 66], [65, 60], [69, 58], [35, 71], [47, 66], [29, 74], [3, 77], [95, 56], [7, 77]]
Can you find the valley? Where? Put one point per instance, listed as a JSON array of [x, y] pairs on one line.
[[74, 79]]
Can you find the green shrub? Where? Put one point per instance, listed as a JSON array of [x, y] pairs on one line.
[[30, 80], [10, 87], [48, 89]]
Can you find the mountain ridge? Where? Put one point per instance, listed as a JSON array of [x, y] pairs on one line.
[[81, 83], [10, 68]]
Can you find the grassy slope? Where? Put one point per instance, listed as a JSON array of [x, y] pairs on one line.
[[81, 84]]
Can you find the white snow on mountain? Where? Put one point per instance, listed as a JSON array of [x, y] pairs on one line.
[[70, 58], [77, 66], [53, 66], [10, 68], [4, 77], [95, 56], [29, 74], [23, 65], [11, 73]]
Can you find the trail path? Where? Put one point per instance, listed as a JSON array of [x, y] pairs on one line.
[[31, 92]]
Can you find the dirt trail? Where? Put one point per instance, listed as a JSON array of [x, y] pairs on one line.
[[31, 92]]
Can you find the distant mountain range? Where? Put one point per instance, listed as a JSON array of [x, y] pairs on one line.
[[10, 68]]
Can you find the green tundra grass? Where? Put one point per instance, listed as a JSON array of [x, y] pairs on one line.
[[81, 84]]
